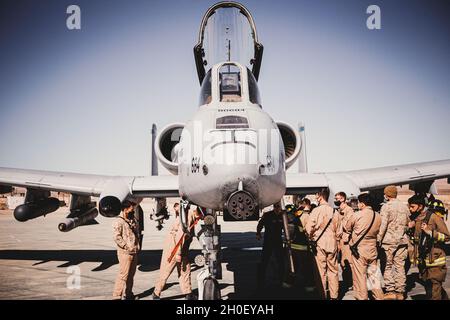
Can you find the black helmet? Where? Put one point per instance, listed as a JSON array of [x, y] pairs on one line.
[[437, 206]]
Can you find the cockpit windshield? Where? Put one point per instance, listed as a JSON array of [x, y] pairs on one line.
[[230, 83]]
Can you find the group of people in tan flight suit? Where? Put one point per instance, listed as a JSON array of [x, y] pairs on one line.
[[174, 255], [372, 249]]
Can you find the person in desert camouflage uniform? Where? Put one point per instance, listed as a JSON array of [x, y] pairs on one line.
[[394, 243]]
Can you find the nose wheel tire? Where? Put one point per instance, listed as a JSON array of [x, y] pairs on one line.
[[211, 289]]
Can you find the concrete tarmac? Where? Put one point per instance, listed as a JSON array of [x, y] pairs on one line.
[[37, 261]]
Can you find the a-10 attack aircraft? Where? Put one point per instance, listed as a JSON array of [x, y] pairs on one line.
[[230, 158]]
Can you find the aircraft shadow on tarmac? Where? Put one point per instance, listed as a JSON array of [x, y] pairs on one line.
[[241, 254], [149, 260]]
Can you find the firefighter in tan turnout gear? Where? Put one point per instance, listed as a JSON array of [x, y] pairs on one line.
[[428, 234], [394, 243], [126, 237], [304, 261], [364, 226], [322, 228]]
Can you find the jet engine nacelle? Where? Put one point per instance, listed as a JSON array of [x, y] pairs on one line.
[[34, 209], [292, 142], [166, 145]]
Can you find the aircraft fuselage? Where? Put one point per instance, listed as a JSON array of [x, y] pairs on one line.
[[231, 146]]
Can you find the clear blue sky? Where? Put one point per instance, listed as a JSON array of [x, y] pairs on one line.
[[84, 101]]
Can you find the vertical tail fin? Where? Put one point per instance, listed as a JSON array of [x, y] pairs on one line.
[[154, 161], [302, 159]]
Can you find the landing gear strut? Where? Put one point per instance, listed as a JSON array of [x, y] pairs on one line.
[[209, 236], [210, 258]]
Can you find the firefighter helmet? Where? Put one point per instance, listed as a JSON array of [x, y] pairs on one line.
[[290, 208], [437, 206]]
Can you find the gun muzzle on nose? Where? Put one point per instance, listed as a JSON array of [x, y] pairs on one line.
[[241, 205]]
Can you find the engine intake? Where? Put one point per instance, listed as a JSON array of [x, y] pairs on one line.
[[291, 141], [166, 145]]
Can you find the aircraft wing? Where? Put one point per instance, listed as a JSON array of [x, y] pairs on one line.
[[89, 185], [353, 182], [370, 179], [305, 183]]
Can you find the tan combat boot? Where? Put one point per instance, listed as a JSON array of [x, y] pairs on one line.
[[390, 296], [400, 296]]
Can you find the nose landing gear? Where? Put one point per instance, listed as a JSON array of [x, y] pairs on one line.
[[210, 259], [209, 237]]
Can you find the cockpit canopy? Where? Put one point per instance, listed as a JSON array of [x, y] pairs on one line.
[[206, 90], [227, 33]]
